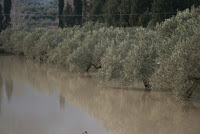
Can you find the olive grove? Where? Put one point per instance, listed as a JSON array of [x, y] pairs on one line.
[[166, 58]]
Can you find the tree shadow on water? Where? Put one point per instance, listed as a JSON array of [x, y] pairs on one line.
[[9, 88]]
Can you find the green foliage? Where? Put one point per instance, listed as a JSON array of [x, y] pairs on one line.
[[1, 18], [96, 11], [30, 42], [48, 42], [166, 58], [40, 13], [140, 63], [179, 54], [5, 39], [61, 5], [125, 11], [78, 6], [68, 16], [138, 8], [111, 12], [7, 9]]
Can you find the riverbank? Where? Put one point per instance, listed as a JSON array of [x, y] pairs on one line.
[[155, 57], [42, 95]]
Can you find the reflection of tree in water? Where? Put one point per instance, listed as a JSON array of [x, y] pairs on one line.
[[9, 88], [125, 112], [1, 90], [62, 101]]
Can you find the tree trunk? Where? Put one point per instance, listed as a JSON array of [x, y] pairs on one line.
[[190, 91], [90, 65], [146, 84]]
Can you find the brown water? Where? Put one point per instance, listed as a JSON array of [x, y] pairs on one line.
[[37, 99]]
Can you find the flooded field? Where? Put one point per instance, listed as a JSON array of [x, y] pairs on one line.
[[38, 99]]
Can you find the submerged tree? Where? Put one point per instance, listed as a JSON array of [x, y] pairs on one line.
[[179, 69]]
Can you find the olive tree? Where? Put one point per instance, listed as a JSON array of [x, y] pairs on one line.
[[48, 41], [179, 54], [30, 42]]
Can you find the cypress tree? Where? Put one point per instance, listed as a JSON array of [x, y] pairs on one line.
[[96, 10], [164, 9], [138, 9], [68, 15], [1, 19], [111, 12], [125, 10], [78, 7], [85, 10], [7, 9], [60, 12]]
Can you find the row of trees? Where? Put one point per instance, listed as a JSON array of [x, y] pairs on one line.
[[166, 58], [39, 13], [69, 16], [5, 14], [123, 13], [28, 13]]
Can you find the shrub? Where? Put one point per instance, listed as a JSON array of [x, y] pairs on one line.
[[179, 54], [30, 42]]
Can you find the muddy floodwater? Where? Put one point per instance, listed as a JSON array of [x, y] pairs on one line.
[[38, 99]]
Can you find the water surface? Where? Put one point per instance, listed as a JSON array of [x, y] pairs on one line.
[[38, 99]]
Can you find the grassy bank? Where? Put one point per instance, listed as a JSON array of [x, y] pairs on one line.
[[166, 58]]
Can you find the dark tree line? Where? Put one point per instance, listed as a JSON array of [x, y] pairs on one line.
[[124, 13], [5, 14], [1, 19], [69, 16]]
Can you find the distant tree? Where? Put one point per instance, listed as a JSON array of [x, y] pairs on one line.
[[1, 19], [7, 8], [60, 12], [96, 11], [138, 8], [78, 6], [17, 18], [125, 11], [111, 12], [85, 10], [68, 18], [145, 18], [164, 9]]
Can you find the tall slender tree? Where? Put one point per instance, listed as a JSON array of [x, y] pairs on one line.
[[139, 8], [1, 18], [112, 14], [96, 10], [125, 10], [7, 8], [78, 8], [60, 12], [85, 10], [68, 18]]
